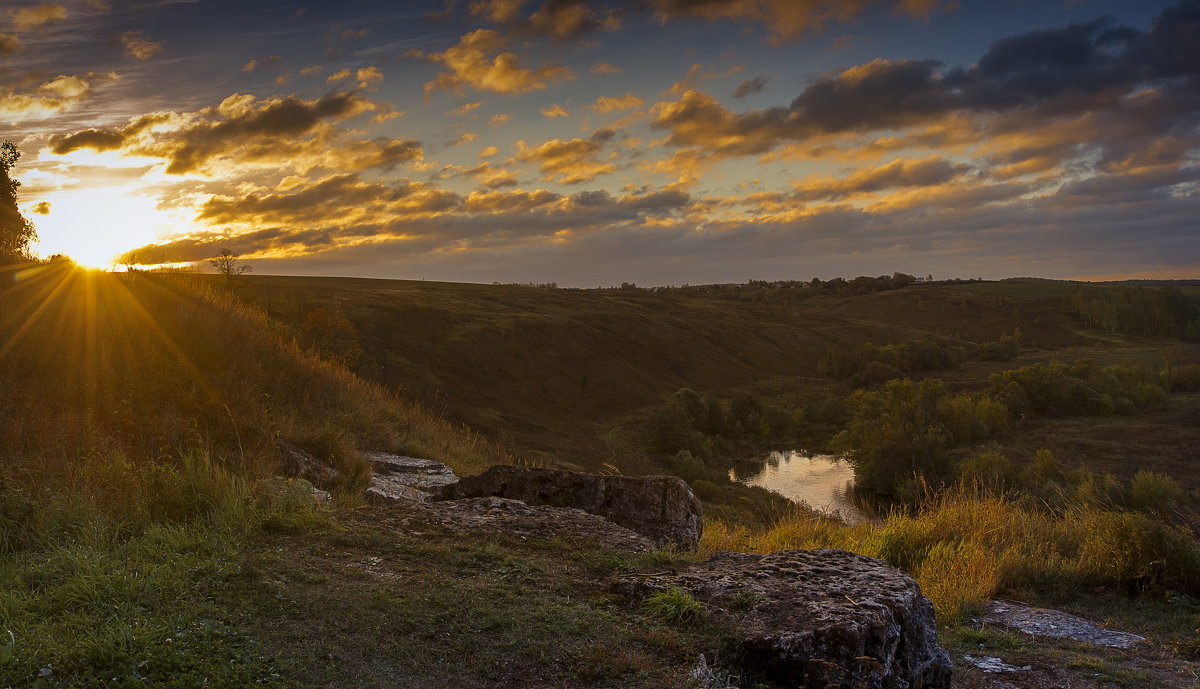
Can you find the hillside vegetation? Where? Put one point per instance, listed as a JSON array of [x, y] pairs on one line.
[[140, 545]]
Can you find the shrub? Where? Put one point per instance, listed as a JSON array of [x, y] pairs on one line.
[[1151, 492], [674, 606]]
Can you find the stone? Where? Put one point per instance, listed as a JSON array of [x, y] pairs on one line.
[[1056, 624], [300, 464], [992, 665], [514, 518], [816, 618], [395, 478], [661, 508]]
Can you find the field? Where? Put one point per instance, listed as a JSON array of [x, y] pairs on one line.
[[142, 541], [561, 377]]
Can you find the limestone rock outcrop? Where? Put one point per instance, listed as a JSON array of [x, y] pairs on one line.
[[662, 508], [817, 618], [299, 464], [515, 518], [395, 478]]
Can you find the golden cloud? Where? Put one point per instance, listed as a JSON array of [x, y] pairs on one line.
[[569, 161], [33, 18], [605, 104], [555, 111], [137, 46], [465, 108], [498, 11], [605, 68], [479, 62], [49, 98], [244, 132]]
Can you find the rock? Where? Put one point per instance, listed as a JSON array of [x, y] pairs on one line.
[[661, 508], [300, 464], [279, 491], [817, 618], [993, 665], [406, 479], [1056, 624], [512, 517]]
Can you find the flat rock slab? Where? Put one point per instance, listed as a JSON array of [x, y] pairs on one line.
[[817, 618], [662, 508], [993, 665], [396, 478], [512, 517], [1056, 624]]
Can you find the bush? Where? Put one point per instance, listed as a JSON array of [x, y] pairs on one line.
[[1154, 493], [674, 606]]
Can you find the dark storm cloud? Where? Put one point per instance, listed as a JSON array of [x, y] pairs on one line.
[[1046, 72]]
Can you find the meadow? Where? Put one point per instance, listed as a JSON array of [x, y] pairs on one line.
[[142, 541]]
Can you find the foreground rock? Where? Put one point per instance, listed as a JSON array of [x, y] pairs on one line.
[[515, 518], [395, 478], [299, 464], [661, 508], [817, 618], [1056, 624]]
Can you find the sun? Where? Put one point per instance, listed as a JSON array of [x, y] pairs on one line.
[[96, 225]]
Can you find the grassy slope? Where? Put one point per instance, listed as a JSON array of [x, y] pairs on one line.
[[168, 569], [551, 372]]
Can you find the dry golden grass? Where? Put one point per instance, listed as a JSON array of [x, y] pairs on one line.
[[154, 367], [964, 546]]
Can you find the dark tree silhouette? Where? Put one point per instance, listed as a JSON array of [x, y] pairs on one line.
[[227, 264], [16, 233]]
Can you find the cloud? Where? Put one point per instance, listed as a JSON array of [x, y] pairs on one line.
[[351, 34], [465, 108], [569, 161], [462, 138], [9, 43], [896, 174], [750, 87], [478, 61], [489, 151], [499, 120], [137, 46], [50, 97], [41, 208], [605, 68], [606, 104], [37, 16], [498, 11], [788, 20], [265, 62], [555, 111], [1047, 74], [246, 132]]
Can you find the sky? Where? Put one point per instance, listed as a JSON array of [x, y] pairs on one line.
[[660, 142]]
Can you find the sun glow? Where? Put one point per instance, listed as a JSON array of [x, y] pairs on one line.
[[94, 226]]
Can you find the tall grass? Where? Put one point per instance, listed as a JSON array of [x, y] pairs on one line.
[[115, 575], [153, 367], [964, 546]]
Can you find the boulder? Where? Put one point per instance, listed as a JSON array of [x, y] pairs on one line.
[[395, 478], [1055, 624], [515, 518], [816, 618], [299, 464], [661, 508]]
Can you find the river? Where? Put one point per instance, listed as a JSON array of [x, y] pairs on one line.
[[819, 481]]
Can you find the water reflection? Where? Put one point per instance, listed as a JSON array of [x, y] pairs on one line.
[[820, 481]]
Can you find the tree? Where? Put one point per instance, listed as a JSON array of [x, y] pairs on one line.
[[16, 233], [227, 264]]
